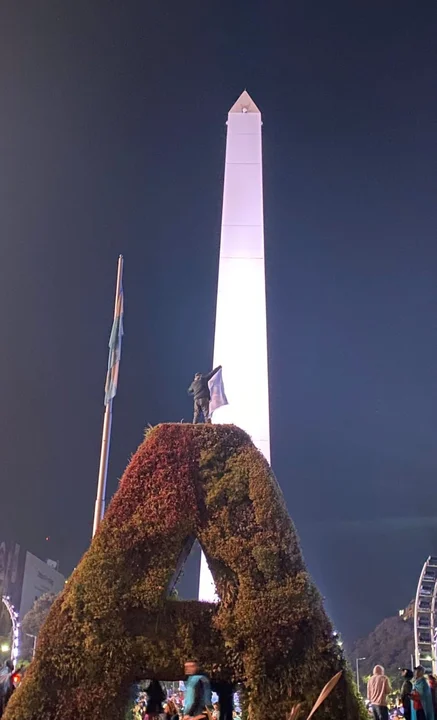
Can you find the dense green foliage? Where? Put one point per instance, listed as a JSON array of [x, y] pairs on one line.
[[114, 623]]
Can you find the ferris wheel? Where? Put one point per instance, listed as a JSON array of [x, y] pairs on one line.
[[15, 649], [425, 616]]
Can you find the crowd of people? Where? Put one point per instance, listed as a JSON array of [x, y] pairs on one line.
[[417, 699], [155, 703], [197, 701]]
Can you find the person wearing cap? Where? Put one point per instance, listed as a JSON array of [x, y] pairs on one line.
[[199, 389], [378, 688], [406, 689]]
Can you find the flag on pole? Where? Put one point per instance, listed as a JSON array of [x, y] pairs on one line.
[[115, 348], [217, 392]]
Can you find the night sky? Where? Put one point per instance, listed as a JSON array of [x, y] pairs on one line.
[[112, 139]]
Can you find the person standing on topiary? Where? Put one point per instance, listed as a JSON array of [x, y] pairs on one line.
[[197, 705], [199, 388]]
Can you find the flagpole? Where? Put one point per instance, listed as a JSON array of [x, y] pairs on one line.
[[99, 510]]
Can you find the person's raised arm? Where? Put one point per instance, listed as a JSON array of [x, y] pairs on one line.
[[213, 372]]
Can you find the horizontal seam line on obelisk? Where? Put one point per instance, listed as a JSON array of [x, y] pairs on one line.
[[232, 257], [241, 225], [243, 163]]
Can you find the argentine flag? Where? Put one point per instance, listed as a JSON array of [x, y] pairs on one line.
[[217, 392], [115, 349]]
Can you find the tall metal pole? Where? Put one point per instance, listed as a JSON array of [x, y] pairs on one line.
[[99, 510], [357, 668]]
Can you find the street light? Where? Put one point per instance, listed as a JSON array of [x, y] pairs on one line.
[[338, 639], [357, 666]]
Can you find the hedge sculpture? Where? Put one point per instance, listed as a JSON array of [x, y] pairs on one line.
[[115, 624]]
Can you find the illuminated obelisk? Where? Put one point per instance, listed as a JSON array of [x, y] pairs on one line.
[[240, 343]]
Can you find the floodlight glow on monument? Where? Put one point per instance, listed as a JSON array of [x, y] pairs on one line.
[[240, 343]]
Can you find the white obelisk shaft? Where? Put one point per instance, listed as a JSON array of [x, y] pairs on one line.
[[240, 344]]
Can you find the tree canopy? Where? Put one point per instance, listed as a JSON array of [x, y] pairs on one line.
[[36, 617]]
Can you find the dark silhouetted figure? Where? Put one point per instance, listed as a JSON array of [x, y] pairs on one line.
[[407, 687], [200, 390], [155, 698], [225, 692], [6, 685]]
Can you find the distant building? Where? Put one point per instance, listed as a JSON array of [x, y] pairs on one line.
[[24, 577]]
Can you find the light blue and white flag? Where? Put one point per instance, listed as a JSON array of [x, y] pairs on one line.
[[217, 392], [115, 349]]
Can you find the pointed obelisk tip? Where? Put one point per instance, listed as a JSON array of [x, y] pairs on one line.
[[244, 104]]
